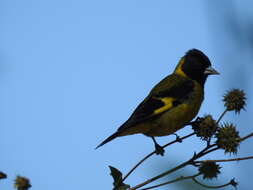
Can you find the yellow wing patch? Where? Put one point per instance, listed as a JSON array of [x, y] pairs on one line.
[[178, 69], [168, 103]]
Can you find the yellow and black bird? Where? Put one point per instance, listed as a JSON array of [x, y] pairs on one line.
[[172, 103]]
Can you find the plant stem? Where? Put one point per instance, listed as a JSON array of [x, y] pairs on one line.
[[188, 162], [152, 153], [216, 148], [209, 186], [172, 181], [226, 160], [160, 176], [221, 116], [246, 137]]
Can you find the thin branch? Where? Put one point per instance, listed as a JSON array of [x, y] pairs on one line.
[[209, 186], [152, 153], [226, 160], [246, 137], [188, 162], [160, 176], [205, 151], [216, 148], [178, 140], [172, 181], [217, 122], [221, 116]]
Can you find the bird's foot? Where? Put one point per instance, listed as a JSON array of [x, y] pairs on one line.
[[159, 150]]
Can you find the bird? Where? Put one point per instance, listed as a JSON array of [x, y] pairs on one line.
[[172, 103]]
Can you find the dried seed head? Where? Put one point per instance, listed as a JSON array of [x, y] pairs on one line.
[[228, 138], [233, 183], [22, 183], [209, 170], [3, 175], [205, 127], [234, 100]]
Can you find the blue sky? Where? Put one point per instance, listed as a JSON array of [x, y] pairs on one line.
[[73, 71]]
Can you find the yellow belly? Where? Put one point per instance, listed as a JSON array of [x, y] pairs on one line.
[[171, 121]]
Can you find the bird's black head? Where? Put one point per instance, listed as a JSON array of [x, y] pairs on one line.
[[195, 65]]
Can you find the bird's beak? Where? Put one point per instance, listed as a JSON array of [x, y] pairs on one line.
[[211, 71]]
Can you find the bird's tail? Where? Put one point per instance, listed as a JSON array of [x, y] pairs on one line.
[[113, 136]]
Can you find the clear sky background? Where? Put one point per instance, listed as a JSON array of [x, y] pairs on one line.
[[71, 72]]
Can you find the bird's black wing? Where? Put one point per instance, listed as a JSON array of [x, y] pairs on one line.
[[160, 101]]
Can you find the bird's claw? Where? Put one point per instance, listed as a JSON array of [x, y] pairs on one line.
[[159, 150]]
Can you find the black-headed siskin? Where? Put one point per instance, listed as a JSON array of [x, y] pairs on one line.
[[173, 102]]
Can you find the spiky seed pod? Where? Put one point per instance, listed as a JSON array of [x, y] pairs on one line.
[[22, 183], [205, 127], [228, 138], [209, 170], [234, 100], [233, 183], [3, 175]]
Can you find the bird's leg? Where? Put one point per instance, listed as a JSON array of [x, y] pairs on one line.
[[158, 149]]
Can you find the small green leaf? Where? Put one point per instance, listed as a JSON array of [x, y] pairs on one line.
[[116, 174], [117, 179]]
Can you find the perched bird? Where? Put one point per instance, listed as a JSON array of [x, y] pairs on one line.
[[172, 103]]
